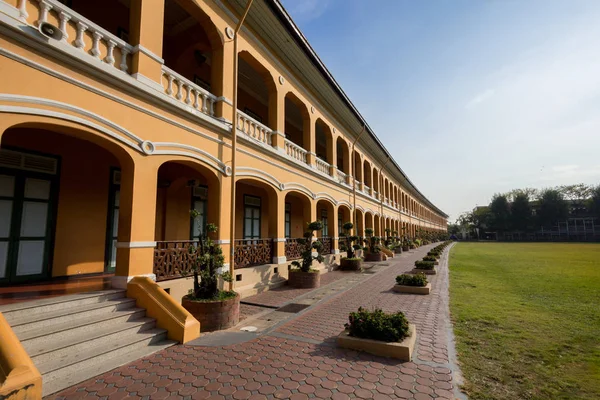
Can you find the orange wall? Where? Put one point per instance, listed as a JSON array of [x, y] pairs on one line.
[[242, 190], [80, 234]]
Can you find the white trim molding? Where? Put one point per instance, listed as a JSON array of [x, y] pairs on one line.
[[222, 241], [146, 51], [120, 282], [135, 245], [279, 259], [280, 240]]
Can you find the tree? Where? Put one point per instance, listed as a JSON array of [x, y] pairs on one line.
[[594, 201], [520, 212], [552, 208], [500, 210]]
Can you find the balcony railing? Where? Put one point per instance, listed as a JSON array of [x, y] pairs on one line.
[[104, 46], [188, 92], [327, 244], [254, 129], [250, 252], [342, 177], [293, 248], [174, 259], [323, 166], [367, 189], [295, 151]]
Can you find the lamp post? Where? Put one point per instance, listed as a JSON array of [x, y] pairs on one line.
[[234, 142]]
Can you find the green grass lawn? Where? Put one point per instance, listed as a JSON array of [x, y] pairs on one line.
[[527, 319]]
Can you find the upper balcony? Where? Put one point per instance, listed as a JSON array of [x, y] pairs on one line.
[[192, 75]]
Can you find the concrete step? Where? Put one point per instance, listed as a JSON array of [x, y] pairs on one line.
[[64, 378], [60, 346], [42, 321], [42, 306], [79, 326], [72, 361]]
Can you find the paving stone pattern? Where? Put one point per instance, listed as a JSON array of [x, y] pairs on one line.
[[299, 359]]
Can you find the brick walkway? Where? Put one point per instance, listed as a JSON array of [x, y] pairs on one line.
[[299, 359]]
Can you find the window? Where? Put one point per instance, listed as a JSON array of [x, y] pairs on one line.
[[288, 220], [199, 203], [325, 224], [251, 217]]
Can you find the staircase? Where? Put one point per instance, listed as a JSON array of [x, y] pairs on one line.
[[76, 337]]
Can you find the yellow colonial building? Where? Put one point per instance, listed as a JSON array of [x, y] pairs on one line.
[[120, 123], [117, 118]]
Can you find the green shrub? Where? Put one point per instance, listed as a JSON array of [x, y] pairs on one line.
[[424, 264], [412, 280], [429, 258], [434, 254], [377, 325]]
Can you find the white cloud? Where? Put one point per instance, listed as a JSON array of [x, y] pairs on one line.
[[480, 98], [306, 10]]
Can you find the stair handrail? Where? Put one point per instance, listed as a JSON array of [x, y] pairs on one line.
[[19, 378]]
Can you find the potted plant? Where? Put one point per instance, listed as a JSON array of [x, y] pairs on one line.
[[414, 284], [214, 308], [426, 267], [301, 274], [388, 335], [350, 262], [373, 241], [397, 244]]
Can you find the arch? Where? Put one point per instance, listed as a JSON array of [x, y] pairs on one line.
[[367, 174], [326, 213], [326, 196], [376, 178], [358, 168], [342, 155], [249, 172], [297, 187], [183, 185], [359, 229], [324, 141], [377, 226], [253, 193], [257, 91], [82, 162], [193, 49], [299, 206], [297, 121], [369, 221]]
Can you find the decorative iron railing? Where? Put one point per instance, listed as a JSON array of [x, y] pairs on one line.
[[293, 248], [327, 244], [250, 252], [174, 259]]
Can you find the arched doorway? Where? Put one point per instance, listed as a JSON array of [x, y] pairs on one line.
[[59, 202], [298, 214], [326, 214]]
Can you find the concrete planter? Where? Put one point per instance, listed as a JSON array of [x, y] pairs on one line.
[[214, 315], [412, 289], [401, 350], [304, 280], [405, 248], [398, 250], [347, 264], [424, 271], [412, 247], [375, 257], [436, 262]]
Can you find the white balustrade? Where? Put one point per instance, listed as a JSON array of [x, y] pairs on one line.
[[103, 42], [367, 189], [322, 166], [342, 177], [254, 129], [295, 151], [188, 92]]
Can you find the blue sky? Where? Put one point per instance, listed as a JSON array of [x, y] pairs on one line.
[[470, 97]]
